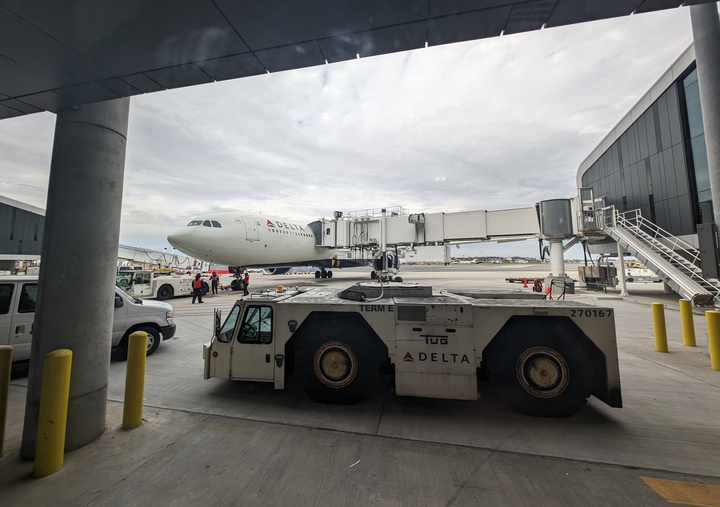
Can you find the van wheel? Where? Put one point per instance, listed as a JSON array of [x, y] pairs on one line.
[[337, 363], [540, 370], [153, 342], [165, 292]]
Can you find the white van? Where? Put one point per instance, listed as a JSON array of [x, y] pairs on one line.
[[18, 297]]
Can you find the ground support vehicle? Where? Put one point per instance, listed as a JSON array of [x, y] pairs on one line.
[[545, 358], [18, 299], [142, 284]]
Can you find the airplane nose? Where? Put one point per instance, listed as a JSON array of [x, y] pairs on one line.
[[180, 239]]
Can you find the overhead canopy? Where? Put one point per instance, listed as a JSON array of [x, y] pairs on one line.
[[56, 54]]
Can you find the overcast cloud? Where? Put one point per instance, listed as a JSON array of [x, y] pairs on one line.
[[490, 124]]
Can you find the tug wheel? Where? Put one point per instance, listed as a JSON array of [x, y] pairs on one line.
[[337, 363], [540, 369], [165, 292]]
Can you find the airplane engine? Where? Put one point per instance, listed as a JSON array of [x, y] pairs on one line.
[[276, 271]]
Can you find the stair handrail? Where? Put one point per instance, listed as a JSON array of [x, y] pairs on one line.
[[634, 219]]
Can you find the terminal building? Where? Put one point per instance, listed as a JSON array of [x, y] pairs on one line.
[[655, 159]]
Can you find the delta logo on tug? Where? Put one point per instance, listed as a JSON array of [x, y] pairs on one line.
[[435, 357]]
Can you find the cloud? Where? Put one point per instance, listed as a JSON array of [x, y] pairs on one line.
[[505, 121]]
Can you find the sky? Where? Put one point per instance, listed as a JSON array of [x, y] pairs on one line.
[[492, 124]]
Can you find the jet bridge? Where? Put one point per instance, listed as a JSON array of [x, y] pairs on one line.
[[419, 236]]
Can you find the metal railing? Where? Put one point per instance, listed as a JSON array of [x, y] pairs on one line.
[[666, 246], [634, 221]]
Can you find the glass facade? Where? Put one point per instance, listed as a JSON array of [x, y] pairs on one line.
[[659, 164], [697, 153], [20, 231]]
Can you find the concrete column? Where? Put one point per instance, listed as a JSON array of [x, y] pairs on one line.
[[706, 32], [621, 271], [557, 261], [79, 258]]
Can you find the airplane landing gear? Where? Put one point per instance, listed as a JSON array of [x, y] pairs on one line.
[[323, 273]]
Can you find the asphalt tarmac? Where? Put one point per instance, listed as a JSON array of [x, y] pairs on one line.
[[219, 442]]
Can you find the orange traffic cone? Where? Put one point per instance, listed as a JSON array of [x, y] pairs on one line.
[[524, 282]]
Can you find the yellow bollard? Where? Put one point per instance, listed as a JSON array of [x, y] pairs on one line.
[[5, 369], [712, 317], [135, 380], [688, 325], [658, 315], [52, 418]]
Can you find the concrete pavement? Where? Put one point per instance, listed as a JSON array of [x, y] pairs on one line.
[[219, 442]]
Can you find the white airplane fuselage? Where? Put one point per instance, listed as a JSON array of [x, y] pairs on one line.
[[252, 241]]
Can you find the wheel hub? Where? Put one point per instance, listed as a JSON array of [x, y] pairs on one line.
[[543, 372], [335, 364]]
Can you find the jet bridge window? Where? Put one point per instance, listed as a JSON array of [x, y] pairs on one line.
[[194, 223], [206, 223], [257, 326], [215, 223]]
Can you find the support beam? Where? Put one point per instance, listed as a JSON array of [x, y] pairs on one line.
[[706, 32], [79, 257], [557, 261], [621, 271]]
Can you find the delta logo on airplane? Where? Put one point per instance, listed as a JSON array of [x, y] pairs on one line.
[[283, 225]]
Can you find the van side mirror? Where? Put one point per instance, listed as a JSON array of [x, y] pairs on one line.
[[217, 322], [118, 301]]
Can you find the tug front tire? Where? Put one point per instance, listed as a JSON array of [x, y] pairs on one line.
[[337, 363], [540, 369]]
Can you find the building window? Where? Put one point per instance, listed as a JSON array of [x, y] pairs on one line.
[[696, 149]]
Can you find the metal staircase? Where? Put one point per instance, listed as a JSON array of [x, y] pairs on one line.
[[659, 251]]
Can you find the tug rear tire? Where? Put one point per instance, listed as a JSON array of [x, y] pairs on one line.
[[540, 370], [336, 363]]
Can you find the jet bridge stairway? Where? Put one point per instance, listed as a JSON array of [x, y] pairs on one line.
[[658, 250]]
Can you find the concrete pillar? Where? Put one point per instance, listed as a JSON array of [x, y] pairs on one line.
[[621, 271], [706, 32], [79, 258], [557, 261]]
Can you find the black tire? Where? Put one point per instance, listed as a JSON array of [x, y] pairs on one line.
[[373, 275], [336, 363], [329, 274], [397, 279], [205, 288], [153, 343], [540, 369], [317, 274], [323, 274], [165, 291]]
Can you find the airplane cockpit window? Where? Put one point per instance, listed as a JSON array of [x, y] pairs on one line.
[[215, 223], [194, 222], [206, 223]]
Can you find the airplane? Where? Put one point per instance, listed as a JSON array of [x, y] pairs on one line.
[[241, 240]]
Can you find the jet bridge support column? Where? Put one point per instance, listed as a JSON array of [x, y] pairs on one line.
[[556, 225], [557, 261], [79, 259]]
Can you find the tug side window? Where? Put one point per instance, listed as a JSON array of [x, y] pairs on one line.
[[228, 327], [257, 326]]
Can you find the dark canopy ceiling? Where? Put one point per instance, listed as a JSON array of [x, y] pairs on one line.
[[59, 53]]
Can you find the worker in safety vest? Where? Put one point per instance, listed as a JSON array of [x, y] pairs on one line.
[[246, 282], [197, 289]]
